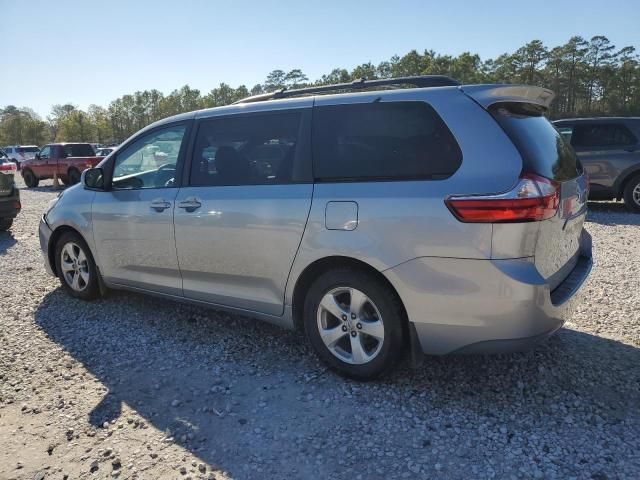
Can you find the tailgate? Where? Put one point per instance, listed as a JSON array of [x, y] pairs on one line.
[[545, 153], [558, 247], [6, 184]]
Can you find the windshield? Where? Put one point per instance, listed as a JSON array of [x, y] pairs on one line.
[[3, 154], [79, 150]]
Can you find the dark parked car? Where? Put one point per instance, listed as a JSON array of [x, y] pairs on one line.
[[609, 149], [9, 194]]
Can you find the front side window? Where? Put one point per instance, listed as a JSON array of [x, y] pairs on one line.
[[602, 135], [45, 152], [246, 150], [382, 141], [150, 161]]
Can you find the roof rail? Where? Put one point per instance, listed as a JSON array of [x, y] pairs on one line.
[[422, 81]]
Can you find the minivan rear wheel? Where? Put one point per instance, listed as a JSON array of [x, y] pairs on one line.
[[354, 322], [632, 194], [75, 267]]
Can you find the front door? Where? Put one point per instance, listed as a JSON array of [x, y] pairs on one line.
[[40, 164], [240, 219], [133, 222]]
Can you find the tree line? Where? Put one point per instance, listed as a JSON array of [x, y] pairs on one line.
[[589, 77]]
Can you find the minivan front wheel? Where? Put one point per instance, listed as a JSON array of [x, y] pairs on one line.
[[354, 322], [75, 267], [632, 194]]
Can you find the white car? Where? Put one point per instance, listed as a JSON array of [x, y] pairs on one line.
[[20, 153]]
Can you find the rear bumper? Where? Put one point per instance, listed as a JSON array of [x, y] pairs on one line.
[[485, 306], [44, 233], [10, 205]]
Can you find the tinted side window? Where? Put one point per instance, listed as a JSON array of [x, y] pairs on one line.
[[602, 135], [382, 141], [44, 153], [246, 150]]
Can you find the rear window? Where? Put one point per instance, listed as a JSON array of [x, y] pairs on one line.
[[382, 141], [544, 150], [27, 149], [79, 150]]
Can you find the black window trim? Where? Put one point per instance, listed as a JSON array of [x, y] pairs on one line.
[[303, 147], [109, 166], [381, 179], [613, 146]]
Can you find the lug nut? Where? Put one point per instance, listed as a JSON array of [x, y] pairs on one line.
[[358, 326], [353, 334], [344, 317], [353, 316], [344, 328]]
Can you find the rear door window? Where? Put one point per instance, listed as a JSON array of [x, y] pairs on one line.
[[382, 141], [259, 149], [79, 150], [602, 135], [543, 149]]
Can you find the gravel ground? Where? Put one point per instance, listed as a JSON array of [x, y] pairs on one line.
[[135, 387]]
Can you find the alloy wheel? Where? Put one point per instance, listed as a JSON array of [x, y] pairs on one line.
[[350, 325], [75, 267]]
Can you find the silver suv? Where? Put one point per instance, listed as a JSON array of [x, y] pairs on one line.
[[435, 219], [609, 149]]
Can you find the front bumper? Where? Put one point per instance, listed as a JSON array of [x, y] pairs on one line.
[[45, 232], [485, 306]]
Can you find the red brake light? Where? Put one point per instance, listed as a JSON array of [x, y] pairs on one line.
[[533, 199], [8, 167]]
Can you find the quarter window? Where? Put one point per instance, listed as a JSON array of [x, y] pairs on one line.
[[382, 141], [246, 150], [602, 135], [150, 161]]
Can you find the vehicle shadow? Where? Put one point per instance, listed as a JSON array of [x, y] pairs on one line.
[[611, 213], [234, 391], [7, 240], [44, 188]]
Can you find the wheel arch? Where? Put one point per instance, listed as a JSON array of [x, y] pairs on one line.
[[321, 265], [53, 240], [624, 178]]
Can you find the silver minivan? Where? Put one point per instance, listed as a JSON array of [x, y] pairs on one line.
[[379, 220]]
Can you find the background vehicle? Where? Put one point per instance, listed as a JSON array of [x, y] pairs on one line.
[[67, 160], [21, 153], [104, 151], [609, 149], [438, 219], [9, 193]]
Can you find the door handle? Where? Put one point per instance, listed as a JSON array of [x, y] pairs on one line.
[[160, 205], [190, 204]]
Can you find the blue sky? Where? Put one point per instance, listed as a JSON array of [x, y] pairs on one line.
[[87, 52]]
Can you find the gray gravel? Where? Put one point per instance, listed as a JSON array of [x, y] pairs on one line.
[[136, 387]]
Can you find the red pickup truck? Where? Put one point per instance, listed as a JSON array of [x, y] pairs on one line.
[[67, 160]]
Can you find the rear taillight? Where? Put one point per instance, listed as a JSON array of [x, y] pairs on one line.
[[8, 167], [534, 198]]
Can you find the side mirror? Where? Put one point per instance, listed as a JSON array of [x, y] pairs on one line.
[[93, 179], [38, 155]]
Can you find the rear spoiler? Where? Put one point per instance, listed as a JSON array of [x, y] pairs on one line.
[[487, 95]]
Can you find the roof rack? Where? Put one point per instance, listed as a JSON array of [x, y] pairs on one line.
[[422, 81]]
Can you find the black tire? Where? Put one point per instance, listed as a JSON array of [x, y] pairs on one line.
[[631, 200], [89, 289], [73, 176], [382, 298], [5, 224], [30, 179]]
